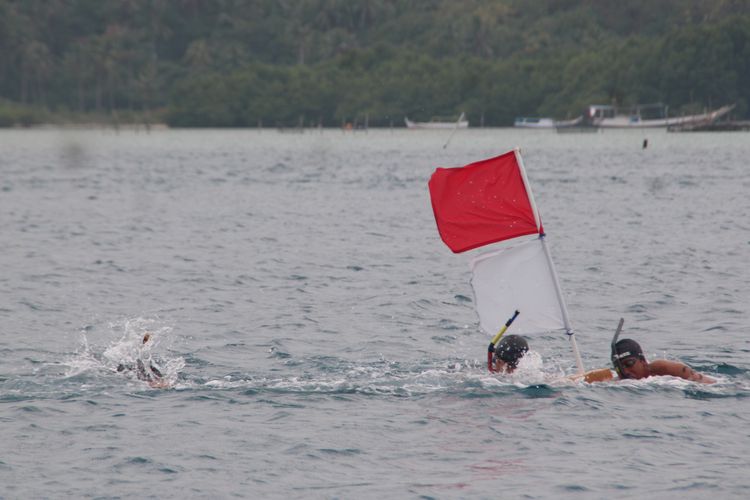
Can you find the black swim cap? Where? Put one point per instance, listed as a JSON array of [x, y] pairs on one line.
[[511, 349], [626, 348]]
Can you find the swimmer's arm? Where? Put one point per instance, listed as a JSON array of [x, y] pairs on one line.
[[591, 376], [677, 369], [141, 370]]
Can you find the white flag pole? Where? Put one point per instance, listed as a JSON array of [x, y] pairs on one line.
[[563, 308], [551, 265]]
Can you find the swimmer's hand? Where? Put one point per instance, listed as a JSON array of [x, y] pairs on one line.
[[591, 376]]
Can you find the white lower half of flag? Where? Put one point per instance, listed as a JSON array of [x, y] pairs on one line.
[[517, 277]]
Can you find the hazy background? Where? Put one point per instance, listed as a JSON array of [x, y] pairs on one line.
[[275, 63]]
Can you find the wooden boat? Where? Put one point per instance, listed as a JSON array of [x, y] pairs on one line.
[[462, 122], [605, 116]]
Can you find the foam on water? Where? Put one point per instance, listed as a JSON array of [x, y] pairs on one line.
[[330, 375], [126, 351]]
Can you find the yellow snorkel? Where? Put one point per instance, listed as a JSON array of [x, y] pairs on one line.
[[496, 338]]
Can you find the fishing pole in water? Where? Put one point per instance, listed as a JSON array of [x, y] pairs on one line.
[[458, 122]]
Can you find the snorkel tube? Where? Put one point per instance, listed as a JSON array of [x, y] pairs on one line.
[[615, 356], [496, 338]]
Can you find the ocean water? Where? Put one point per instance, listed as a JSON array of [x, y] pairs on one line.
[[320, 340]]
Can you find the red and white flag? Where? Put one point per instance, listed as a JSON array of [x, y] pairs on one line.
[[487, 202]]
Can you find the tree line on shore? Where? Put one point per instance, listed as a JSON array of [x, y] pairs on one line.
[[247, 63]]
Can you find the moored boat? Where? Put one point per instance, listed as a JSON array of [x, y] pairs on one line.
[[534, 122], [462, 122], [642, 116]]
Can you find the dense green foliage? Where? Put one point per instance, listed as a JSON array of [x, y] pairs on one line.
[[290, 62]]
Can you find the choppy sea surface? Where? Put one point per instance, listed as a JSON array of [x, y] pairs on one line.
[[320, 340]]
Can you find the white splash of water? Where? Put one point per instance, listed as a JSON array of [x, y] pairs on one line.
[[143, 339]]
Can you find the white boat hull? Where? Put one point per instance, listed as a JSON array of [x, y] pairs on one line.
[[460, 123], [636, 122], [527, 122], [548, 123]]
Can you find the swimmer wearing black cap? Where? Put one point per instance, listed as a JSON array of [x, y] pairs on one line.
[[630, 363], [508, 353], [150, 374]]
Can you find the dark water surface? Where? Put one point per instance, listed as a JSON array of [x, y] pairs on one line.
[[320, 338]]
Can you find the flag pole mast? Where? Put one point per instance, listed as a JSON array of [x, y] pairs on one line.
[[551, 266]]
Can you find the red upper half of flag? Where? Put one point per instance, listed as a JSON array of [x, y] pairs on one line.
[[482, 203]]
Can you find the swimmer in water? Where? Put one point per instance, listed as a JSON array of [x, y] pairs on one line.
[[508, 353], [150, 374], [630, 363]]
